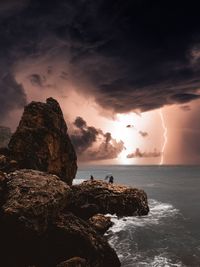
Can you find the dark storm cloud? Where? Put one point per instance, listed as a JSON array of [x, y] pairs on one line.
[[133, 55], [80, 123], [139, 154], [11, 95], [106, 151], [85, 137], [184, 98], [92, 144], [143, 134]]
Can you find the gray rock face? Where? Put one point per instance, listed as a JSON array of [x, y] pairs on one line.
[[34, 198], [108, 198], [41, 141]]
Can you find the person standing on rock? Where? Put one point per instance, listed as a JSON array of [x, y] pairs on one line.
[[91, 178], [111, 179]]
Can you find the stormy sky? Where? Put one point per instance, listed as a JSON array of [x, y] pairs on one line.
[[124, 55]]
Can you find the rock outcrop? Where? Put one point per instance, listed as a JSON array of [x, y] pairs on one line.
[[73, 236], [44, 221], [34, 198], [107, 198], [35, 231], [41, 141], [100, 223]]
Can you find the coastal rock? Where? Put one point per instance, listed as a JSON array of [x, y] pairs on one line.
[[72, 236], [109, 198], [41, 141], [100, 223], [35, 232], [74, 262], [34, 198]]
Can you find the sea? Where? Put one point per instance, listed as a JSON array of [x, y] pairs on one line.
[[170, 234]]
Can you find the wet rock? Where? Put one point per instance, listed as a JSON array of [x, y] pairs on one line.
[[109, 198], [74, 262], [100, 223], [41, 141]]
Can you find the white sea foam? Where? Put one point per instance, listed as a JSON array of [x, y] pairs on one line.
[[158, 211], [78, 181], [162, 261], [124, 237]]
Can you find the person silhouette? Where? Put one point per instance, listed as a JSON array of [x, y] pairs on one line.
[[91, 178], [111, 179]]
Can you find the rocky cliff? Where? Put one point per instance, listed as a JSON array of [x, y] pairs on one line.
[[36, 231], [41, 141], [44, 221], [92, 197]]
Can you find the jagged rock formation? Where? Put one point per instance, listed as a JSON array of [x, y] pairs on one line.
[[41, 141], [5, 135], [34, 229], [107, 198]]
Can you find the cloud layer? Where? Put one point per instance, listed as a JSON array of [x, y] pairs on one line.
[[92, 144], [138, 154], [128, 55], [12, 95]]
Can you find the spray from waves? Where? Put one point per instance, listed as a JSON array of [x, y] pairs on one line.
[[78, 181], [158, 211], [138, 241]]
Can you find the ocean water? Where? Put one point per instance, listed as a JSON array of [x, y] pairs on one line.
[[170, 234]]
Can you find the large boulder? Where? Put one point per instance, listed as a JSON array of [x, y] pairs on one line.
[[100, 223], [35, 231], [72, 236], [107, 198], [41, 141], [33, 199]]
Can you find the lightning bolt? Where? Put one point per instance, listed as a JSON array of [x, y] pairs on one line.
[[164, 136]]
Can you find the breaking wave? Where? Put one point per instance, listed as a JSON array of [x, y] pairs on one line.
[[138, 241]]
